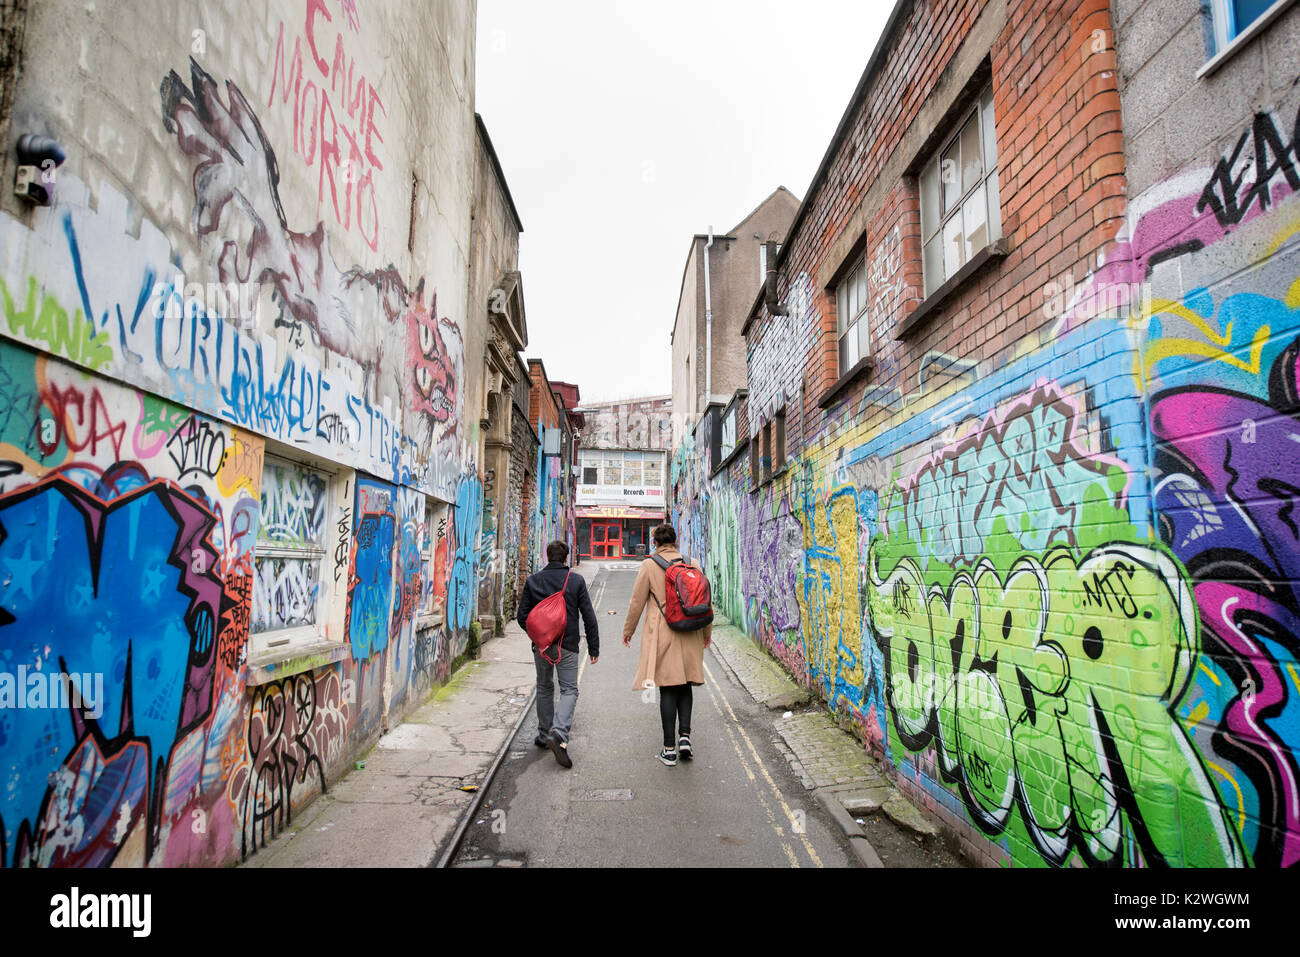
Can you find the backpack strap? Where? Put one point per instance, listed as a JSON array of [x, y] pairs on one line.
[[665, 565]]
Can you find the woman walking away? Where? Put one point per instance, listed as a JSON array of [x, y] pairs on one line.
[[671, 660]]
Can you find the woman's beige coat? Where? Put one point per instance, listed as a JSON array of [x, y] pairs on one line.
[[667, 657]]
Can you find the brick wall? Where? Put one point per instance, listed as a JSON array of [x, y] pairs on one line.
[[982, 553]]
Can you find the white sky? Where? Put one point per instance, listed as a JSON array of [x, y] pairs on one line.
[[624, 128]]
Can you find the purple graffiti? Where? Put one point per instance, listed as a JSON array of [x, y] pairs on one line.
[[1228, 507]]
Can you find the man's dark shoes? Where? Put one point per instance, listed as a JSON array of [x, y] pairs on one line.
[[559, 750], [540, 740]]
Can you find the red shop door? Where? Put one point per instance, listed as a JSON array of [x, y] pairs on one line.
[[605, 539]]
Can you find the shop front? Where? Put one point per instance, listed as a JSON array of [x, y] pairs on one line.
[[616, 531]]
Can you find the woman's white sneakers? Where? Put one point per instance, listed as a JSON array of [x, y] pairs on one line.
[[668, 756]]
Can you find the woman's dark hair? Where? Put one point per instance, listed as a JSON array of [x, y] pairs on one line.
[[664, 535], [557, 551]]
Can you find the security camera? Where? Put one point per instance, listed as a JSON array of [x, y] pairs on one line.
[[38, 158]]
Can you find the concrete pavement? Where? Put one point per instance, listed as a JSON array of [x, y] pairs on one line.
[[764, 789], [736, 805], [886, 829], [403, 807]]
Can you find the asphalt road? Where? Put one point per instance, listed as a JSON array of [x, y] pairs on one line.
[[736, 805]]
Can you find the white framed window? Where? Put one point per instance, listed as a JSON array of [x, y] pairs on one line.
[[1232, 18], [961, 211], [852, 328], [290, 586]]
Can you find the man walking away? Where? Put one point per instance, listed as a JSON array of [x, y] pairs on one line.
[[553, 725]]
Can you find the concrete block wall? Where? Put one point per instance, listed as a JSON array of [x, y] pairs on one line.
[[1010, 552], [1211, 237], [270, 152]]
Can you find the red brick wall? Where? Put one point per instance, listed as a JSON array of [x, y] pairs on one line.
[[1060, 167]]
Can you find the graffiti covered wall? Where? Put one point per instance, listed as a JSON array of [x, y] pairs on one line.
[[232, 412], [1052, 586]]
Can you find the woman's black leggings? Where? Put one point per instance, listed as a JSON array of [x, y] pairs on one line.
[[675, 712]]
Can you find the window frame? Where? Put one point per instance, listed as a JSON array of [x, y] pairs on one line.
[[606, 458], [657, 463], [778, 442], [986, 184], [432, 615], [766, 456], [1222, 18], [851, 320], [280, 643]]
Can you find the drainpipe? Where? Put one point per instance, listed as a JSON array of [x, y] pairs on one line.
[[708, 329], [774, 306]]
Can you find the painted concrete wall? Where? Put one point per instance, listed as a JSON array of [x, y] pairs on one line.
[[1212, 233], [271, 148], [1041, 557], [687, 357], [496, 307]]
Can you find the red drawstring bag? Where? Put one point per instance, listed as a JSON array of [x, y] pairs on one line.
[[545, 624]]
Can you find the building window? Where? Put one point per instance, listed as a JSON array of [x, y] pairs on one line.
[[653, 473], [755, 461], [434, 528], [289, 589], [851, 317], [778, 441], [612, 473], [632, 469], [767, 452], [1232, 17], [589, 474], [961, 211]]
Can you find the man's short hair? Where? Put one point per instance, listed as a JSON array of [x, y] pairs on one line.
[[557, 551], [664, 535]]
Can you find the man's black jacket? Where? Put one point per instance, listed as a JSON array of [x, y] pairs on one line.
[[547, 582]]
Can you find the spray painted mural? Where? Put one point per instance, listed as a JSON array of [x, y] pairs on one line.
[[123, 560], [1059, 598], [150, 529]]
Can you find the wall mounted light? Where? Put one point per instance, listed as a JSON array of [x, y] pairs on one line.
[[38, 158]]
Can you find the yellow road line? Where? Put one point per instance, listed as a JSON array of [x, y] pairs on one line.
[[763, 768], [780, 831]]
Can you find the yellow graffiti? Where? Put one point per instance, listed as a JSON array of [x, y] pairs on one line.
[[1241, 801], [241, 465], [1289, 228], [829, 607], [1197, 714], [1216, 349]]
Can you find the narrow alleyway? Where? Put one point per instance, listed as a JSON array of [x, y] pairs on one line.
[[737, 804]]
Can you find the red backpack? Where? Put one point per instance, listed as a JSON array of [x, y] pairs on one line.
[[690, 604], [545, 624]]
